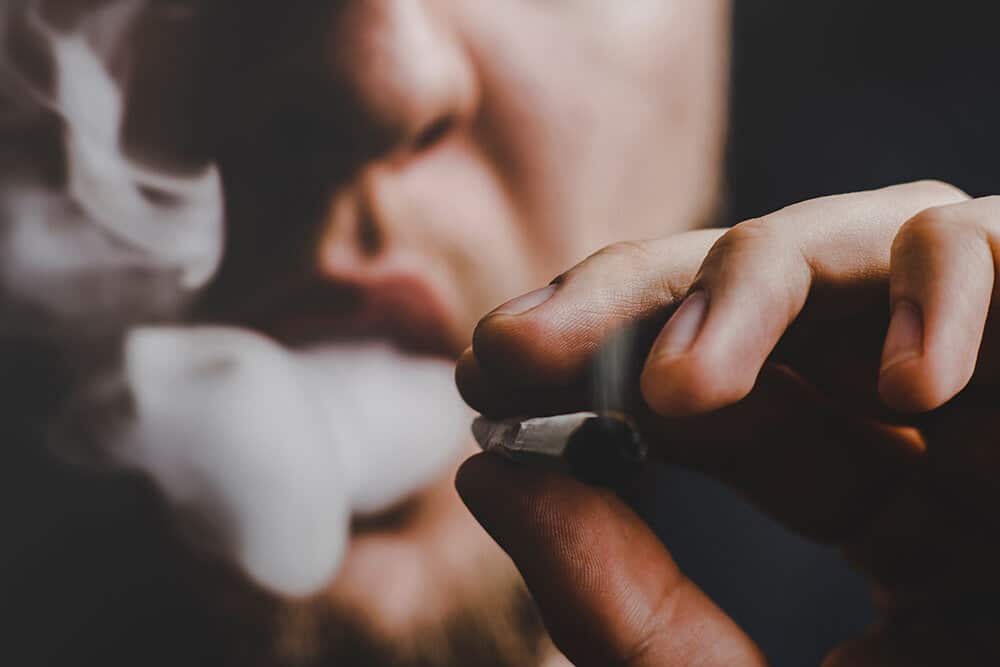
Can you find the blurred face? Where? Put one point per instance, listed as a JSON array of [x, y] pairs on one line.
[[456, 151], [394, 169]]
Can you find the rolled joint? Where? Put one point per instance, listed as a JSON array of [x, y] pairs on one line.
[[602, 449]]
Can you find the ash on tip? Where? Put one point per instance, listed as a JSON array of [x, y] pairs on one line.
[[601, 449]]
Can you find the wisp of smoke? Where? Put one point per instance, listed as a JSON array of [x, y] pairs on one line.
[[98, 243], [613, 369], [267, 451], [271, 451]]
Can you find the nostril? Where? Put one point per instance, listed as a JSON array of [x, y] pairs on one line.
[[433, 133]]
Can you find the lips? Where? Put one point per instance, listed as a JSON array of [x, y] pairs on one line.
[[363, 281], [402, 309]]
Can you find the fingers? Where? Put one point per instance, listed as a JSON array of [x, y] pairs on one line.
[[812, 466], [820, 261], [548, 341], [942, 284], [608, 590], [495, 398], [756, 281]]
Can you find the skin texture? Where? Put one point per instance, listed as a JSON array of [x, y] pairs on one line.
[[394, 168], [773, 356], [467, 151], [465, 172]]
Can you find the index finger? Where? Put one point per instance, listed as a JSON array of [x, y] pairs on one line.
[[833, 252], [541, 360]]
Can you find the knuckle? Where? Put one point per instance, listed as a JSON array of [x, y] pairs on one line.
[[939, 190], [655, 623], [626, 251], [928, 228], [986, 211], [755, 249], [737, 240], [623, 256], [749, 231]]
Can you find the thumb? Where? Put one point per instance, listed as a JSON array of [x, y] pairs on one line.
[[609, 592]]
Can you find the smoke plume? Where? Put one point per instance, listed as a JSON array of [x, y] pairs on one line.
[[265, 452]]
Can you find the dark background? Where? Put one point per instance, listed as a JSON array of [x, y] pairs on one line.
[[831, 97], [838, 95], [827, 97]]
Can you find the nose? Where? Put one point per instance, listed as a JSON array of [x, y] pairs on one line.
[[314, 106], [345, 81], [404, 76], [406, 83]]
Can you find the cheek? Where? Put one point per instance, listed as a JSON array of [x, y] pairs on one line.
[[537, 127], [602, 122], [457, 208]]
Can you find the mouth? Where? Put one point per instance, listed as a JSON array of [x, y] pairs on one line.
[[403, 310]]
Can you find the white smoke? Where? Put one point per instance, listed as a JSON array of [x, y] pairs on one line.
[[100, 236], [268, 451]]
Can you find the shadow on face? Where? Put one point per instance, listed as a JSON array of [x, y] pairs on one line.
[[394, 169]]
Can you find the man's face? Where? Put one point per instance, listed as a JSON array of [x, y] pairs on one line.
[[396, 168]]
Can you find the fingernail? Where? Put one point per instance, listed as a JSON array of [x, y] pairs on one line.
[[680, 332], [905, 338], [529, 301]]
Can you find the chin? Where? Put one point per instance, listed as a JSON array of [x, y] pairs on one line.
[[417, 563], [421, 584]]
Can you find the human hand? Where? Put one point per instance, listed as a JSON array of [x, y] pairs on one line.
[[781, 375]]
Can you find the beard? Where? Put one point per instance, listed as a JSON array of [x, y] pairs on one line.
[[507, 633], [495, 624]]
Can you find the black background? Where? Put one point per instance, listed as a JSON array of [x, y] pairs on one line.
[[831, 97], [827, 97], [835, 96]]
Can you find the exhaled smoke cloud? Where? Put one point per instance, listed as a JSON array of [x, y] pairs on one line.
[[273, 450], [270, 450], [115, 233]]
